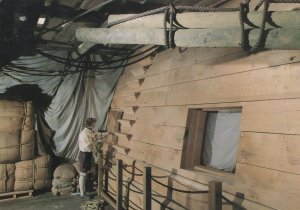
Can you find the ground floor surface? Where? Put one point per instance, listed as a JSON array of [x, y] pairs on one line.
[[45, 201]]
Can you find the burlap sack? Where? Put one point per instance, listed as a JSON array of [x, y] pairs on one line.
[[29, 110], [7, 177], [9, 147], [42, 184], [43, 168], [9, 155], [29, 122], [16, 146], [54, 191], [27, 151], [57, 183], [12, 108], [33, 174], [23, 185], [43, 161], [28, 139], [65, 172], [9, 139], [63, 191], [24, 170], [11, 123], [42, 173]]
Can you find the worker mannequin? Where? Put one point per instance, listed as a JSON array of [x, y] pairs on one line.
[[86, 138]]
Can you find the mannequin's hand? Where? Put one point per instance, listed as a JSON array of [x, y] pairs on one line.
[[102, 135]]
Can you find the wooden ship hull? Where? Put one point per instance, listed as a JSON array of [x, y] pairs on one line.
[[155, 95]]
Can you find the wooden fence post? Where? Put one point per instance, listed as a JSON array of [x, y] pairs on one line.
[[147, 189], [120, 185], [100, 173], [215, 195]]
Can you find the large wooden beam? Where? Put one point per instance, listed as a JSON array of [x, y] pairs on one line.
[[278, 38], [283, 19]]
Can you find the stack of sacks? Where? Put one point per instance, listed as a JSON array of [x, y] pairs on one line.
[[65, 180], [33, 174], [17, 134], [7, 177], [17, 139]]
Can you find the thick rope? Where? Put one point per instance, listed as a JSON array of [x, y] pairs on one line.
[[112, 178], [147, 13], [135, 174], [165, 28], [206, 9], [172, 13], [258, 5], [132, 190], [169, 33]]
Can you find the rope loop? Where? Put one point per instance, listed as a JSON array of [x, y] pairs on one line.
[[244, 9], [172, 13], [169, 17]]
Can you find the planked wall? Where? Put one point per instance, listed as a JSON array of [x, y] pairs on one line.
[[155, 101]]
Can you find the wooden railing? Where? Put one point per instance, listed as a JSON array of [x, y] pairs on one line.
[[214, 188]]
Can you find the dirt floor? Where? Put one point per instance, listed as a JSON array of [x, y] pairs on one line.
[[45, 201]]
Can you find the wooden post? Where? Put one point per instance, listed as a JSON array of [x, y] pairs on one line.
[[106, 180], [147, 189], [120, 185], [100, 173], [215, 195]]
